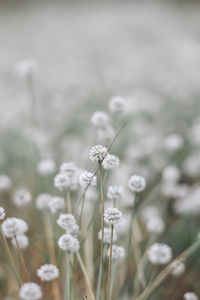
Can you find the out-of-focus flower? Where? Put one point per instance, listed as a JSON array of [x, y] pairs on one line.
[[43, 200], [20, 241], [114, 192], [107, 235], [190, 296], [137, 183], [178, 268], [48, 272], [46, 167], [117, 105], [155, 225], [99, 119], [5, 183], [12, 227], [56, 204], [22, 197], [159, 254], [2, 213], [171, 174], [174, 142], [111, 162], [118, 252], [30, 291], [26, 67]]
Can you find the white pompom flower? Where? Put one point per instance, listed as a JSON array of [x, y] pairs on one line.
[[12, 227], [56, 204], [87, 178], [22, 197], [114, 192], [30, 291], [137, 183], [20, 241], [118, 252], [43, 200], [2, 213], [46, 167], [98, 153], [68, 243], [112, 216], [159, 254], [111, 162], [99, 119], [117, 104], [48, 272], [66, 221]]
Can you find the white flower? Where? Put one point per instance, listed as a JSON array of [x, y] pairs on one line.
[[159, 254], [178, 268], [171, 174], [190, 296], [173, 142], [2, 213], [46, 167], [68, 243], [69, 168], [87, 178], [99, 119], [30, 291], [48, 272], [155, 225], [64, 181], [97, 153], [26, 67], [114, 192], [22, 197], [137, 183], [118, 252], [117, 105], [22, 241], [56, 204], [43, 200], [111, 162], [13, 226], [107, 235], [5, 183], [112, 216], [66, 221]]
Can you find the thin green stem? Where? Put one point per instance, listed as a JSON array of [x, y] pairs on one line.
[[67, 277], [110, 263], [102, 217], [100, 274]]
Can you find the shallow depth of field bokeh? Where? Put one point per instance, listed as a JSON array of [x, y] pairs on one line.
[[64, 67]]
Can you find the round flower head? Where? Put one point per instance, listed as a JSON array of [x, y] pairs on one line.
[[22, 197], [99, 119], [69, 168], [48, 272], [2, 213], [190, 296], [112, 216], [178, 268], [5, 183], [107, 235], [87, 178], [155, 225], [66, 221], [12, 227], [118, 252], [20, 241], [137, 183], [43, 200], [68, 243], [97, 153], [159, 254], [30, 291], [174, 142], [46, 167], [111, 162], [117, 105], [114, 192], [63, 181], [56, 204]]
